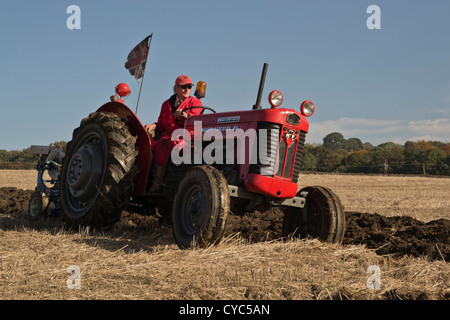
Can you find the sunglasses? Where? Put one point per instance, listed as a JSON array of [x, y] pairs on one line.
[[187, 86]]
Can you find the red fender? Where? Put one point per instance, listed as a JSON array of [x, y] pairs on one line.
[[143, 143]]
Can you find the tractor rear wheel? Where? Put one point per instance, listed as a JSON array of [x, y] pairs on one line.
[[322, 217], [98, 171], [200, 208]]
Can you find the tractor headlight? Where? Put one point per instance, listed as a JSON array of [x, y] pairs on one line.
[[307, 108], [275, 98]]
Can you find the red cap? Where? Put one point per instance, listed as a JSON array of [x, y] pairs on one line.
[[182, 80]]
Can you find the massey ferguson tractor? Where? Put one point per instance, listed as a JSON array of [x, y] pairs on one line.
[[232, 162]]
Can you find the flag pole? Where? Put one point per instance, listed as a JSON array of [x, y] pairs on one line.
[[139, 96], [143, 73]]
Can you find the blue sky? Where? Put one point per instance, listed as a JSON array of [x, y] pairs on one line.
[[391, 84]]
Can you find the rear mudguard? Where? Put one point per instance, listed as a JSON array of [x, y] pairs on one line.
[[143, 143]]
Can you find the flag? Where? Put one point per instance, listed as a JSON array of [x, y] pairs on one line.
[[137, 59]]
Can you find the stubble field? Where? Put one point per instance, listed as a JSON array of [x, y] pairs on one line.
[[400, 225]]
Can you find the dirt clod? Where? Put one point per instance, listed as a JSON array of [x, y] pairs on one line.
[[399, 235], [13, 200]]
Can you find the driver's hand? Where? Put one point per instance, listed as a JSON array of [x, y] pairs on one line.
[[180, 113], [150, 127]]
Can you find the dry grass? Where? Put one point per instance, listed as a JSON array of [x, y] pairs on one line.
[[293, 270], [423, 198], [130, 263], [20, 179]]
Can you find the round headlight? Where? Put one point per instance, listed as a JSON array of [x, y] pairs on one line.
[[275, 98], [307, 108]]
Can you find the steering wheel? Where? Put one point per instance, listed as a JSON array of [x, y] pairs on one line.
[[180, 120]]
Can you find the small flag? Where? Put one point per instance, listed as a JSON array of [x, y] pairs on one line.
[[137, 59]]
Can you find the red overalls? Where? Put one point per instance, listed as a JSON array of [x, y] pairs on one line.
[[166, 125]]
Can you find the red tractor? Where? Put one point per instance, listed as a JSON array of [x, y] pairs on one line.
[[256, 158]]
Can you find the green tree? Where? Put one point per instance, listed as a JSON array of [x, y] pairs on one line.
[[435, 158], [4, 156], [358, 161], [368, 146], [309, 162], [446, 166], [393, 153], [423, 157], [353, 144], [334, 141], [327, 160]]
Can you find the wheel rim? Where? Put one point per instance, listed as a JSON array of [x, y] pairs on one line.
[[85, 171], [35, 207], [311, 221], [193, 210], [323, 216]]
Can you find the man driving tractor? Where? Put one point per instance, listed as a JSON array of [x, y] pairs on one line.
[[171, 110], [107, 164]]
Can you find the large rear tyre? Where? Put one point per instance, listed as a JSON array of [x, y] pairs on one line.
[[323, 217], [200, 208], [98, 171]]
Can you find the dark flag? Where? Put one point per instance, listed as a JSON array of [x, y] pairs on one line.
[[137, 59]]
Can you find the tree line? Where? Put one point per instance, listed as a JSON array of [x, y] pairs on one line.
[[338, 154], [22, 159]]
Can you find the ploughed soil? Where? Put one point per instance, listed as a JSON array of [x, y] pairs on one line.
[[396, 236], [399, 235]]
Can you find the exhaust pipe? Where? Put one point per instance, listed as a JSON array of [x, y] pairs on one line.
[[261, 88]]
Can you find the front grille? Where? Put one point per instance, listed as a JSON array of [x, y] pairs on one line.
[[289, 161], [299, 156], [264, 162]]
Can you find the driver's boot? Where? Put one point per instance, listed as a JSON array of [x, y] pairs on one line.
[[158, 177]]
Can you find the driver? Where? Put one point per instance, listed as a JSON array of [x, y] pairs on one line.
[[171, 109]]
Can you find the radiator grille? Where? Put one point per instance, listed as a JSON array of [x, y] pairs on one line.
[[299, 156], [264, 162]]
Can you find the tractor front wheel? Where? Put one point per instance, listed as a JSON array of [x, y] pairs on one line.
[[322, 217], [200, 208], [98, 171]]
